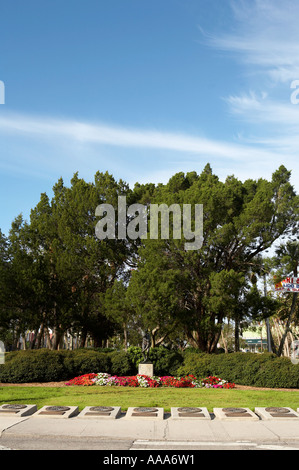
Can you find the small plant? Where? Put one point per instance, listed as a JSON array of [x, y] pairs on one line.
[[86, 379], [216, 382]]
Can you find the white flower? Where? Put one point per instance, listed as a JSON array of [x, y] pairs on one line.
[[102, 378]]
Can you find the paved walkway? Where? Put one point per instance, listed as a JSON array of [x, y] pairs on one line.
[[143, 433]]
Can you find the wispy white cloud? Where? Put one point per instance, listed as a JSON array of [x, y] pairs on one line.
[[265, 35], [65, 146], [265, 42], [90, 133], [274, 125], [262, 109]]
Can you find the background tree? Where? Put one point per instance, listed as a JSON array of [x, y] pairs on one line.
[[58, 276], [241, 220], [59, 268]]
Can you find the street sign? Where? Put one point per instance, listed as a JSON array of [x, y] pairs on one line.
[[289, 284]]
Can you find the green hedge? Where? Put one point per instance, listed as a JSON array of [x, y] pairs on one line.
[[166, 362], [52, 366], [260, 370], [44, 365], [33, 366]]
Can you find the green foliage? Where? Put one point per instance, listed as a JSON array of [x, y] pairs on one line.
[[53, 268], [135, 356], [49, 366], [165, 361], [121, 364], [85, 361], [259, 370], [55, 274], [195, 291], [33, 366], [44, 365]]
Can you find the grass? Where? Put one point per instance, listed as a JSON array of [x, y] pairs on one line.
[[162, 397]]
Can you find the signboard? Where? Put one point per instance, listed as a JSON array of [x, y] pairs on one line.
[[289, 284], [255, 341]]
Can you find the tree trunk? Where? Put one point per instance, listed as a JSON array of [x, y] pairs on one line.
[[83, 337], [289, 320], [125, 337], [153, 336], [224, 342], [48, 339], [273, 347], [214, 342], [278, 334], [33, 341], [14, 345], [56, 338], [39, 337], [237, 335]]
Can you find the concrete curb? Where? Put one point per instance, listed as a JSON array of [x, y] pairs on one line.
[[168, 429]]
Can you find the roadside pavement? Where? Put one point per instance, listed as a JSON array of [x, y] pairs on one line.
[[147, 433]]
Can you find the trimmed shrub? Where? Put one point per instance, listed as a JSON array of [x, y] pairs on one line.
[[121, 364], [33, 366], [86, 361], [165, 361], [259, 370], [44, 365]]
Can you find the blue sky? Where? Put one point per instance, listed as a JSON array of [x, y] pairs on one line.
[[144, 89]]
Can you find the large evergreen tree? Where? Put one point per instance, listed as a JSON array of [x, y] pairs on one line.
[[55, 274], [198, 289]]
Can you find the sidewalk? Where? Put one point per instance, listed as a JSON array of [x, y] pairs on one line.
[[279, 431]]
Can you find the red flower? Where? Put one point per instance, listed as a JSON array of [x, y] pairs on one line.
[[85, 379], [166, 381]]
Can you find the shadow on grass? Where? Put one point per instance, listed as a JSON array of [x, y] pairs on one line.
[[158, 397]]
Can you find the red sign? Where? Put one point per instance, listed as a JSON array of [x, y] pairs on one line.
[[290, 284]]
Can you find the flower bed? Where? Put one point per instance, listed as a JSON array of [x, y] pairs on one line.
[[189, 381]]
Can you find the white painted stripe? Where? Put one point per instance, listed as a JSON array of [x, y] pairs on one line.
[[274, 447], [147, 444], [190, 443]]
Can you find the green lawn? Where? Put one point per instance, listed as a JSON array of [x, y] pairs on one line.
[[162, 397]]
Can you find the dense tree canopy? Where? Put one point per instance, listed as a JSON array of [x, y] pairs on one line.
[[57, 275], [199, 289]]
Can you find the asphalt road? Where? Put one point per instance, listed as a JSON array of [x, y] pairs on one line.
[[9, 442]]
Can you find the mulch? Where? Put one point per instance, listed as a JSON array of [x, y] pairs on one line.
[[63, 384]]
